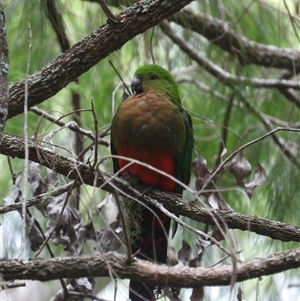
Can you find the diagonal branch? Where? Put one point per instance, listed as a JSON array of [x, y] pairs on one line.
[[88, 52]]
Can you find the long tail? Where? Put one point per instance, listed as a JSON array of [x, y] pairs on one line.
[[152, 244]]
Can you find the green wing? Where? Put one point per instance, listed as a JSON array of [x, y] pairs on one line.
[[184, 158]]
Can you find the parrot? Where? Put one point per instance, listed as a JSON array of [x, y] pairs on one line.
[[152, 127]]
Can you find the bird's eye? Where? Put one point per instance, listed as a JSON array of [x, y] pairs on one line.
[[153, 76]]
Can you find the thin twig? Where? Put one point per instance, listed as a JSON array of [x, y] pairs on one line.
[[120, 77], [96, 134], [292, 21], [223, 140], [151, 44], [26, 144], [108, 12], [73, 126]]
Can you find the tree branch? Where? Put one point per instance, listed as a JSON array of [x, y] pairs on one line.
[[87, 53], [4, 64], [223, 76], [14, 147], [99, 266], [219, 33]]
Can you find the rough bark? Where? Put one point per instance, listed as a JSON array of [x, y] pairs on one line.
[[100, 266], [4, 95]]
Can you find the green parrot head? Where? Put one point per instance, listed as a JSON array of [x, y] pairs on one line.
[[155, 78]]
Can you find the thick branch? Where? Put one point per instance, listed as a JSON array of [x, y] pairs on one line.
[[99, 266], [4, 95], [85, 54], [219, 33], [14, 147]]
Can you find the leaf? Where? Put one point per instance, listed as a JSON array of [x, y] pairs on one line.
[[65, 225], [197, 294], [37, 186], [240, 168], [213, 201], [239, 295], [185, 253], [172, 259], [199, 167], [80, 285], [16, 194], [194, 263], [84, 234], [202, 244], [202, 174], [259, 178], [218, 233], [110, 239], [51, 179], [35, 236], [103, 203], [83, 284], [216, 201], [173, 293]]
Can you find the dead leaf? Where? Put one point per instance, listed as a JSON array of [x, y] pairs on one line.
[[110, 239], [202, 174], [185, 253], [35, 236], [16, 194], [173, 293], [240, 168], [37, 186], [172, 259], [197, 294], [259, 178], [218, 233], [239, 294]]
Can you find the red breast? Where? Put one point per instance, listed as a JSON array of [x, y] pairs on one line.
[[149, 128]]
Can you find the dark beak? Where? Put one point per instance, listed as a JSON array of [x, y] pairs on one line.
[[136, 85]]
